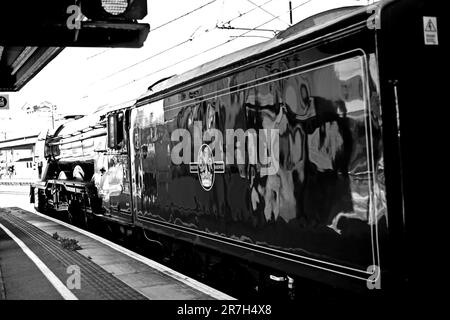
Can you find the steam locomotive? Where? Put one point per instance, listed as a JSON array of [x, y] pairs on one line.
[[286, 156]]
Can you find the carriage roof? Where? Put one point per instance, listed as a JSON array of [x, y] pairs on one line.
[[295, 33]]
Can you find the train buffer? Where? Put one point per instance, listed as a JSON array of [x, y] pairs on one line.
[[41, 259]]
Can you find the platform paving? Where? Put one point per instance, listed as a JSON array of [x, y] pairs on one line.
[[101, 261]]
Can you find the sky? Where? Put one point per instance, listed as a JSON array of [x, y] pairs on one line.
[[81, 80]]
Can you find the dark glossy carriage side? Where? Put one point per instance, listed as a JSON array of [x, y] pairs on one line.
[[325, 198], [325, 208]]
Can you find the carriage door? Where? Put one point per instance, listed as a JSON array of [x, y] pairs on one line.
[[116, 186]]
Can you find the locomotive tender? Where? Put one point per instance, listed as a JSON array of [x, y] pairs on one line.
[[285, 155]]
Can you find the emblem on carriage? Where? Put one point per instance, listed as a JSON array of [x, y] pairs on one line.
[[206, 167]]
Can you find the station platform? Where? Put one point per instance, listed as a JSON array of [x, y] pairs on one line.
[[37, 262], [16, 181]]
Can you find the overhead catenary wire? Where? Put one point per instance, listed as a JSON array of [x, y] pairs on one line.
[[200, 53], [268, 12], [170, 66], [183, 15], [257, 27], [242, 35], [146, 59], [264, 37], [247, 12], [191, 38], [251, 29], [162, 25]]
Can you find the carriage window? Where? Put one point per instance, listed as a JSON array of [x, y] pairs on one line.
[[350, 75], [190, 118], [115, 130], [210, 116], [136, 140], [157, 112], [200, 112], [112, 131], [333, 89], [120, 127], [325, 96]]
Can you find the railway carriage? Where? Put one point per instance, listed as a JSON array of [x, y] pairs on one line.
[[285, 157]]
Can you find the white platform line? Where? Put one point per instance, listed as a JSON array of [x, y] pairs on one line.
[[57, 284], [216, 294]]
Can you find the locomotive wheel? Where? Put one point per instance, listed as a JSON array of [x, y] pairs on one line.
[[70, 214], [88, 220], [39, 202], [74, 214]]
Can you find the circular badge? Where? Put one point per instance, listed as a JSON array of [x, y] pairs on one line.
[[3, 102], [206, 167]]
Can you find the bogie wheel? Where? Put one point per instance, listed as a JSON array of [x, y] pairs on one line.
[[73, 213], [39, 201], [88, 220]]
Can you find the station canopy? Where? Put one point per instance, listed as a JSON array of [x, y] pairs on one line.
[[32, 33]]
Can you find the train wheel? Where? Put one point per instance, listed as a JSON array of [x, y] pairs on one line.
[[73, 213], [70, 217], [39, 201], [88, 220]]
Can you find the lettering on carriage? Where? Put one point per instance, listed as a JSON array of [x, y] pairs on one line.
[[242, 147]]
